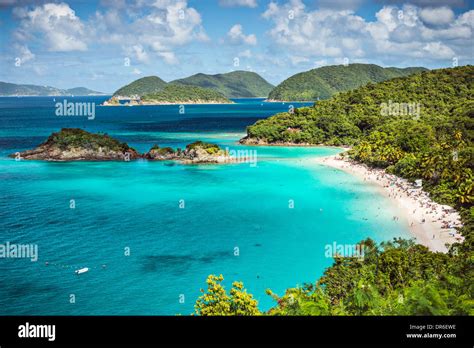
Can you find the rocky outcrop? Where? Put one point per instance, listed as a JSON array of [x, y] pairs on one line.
[[73, 144], [162, 154], [197, 152]]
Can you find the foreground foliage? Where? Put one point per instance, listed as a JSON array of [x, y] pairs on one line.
[[394, 278], [216, 301]]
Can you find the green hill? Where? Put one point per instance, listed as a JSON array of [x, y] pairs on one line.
[[324, 82], [140, 87], [236, 84], [180, 94]]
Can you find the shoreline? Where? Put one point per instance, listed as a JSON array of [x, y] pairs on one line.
[[430, 223], [169, 103], [289, 144]]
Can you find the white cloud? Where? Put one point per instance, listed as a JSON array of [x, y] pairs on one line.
[[437, 16], [296, 60], [430, 3], [243, 3], [145, 30], [136, 71], [169, 57], [151, 29], [57, 24], [237, 36], [319, 63], [397, 33], [438, 50], [138, 52], [245, 54], [24, 53]]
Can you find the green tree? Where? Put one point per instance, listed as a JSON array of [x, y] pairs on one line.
[[216, 302]]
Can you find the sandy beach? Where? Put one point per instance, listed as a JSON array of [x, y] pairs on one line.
[[432, 224]]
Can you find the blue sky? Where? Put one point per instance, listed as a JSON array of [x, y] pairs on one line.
[[105, 44]]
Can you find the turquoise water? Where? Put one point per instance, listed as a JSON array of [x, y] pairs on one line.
[[136, 205]]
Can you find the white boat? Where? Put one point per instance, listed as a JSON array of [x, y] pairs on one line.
[[82, 270]]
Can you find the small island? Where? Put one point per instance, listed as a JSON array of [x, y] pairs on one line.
[[173, 94], [181, 94], [197, 152], [74, 144]]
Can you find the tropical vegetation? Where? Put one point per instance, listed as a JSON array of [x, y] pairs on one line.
[[68, 138], [211, 149]]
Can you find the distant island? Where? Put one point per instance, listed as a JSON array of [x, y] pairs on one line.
[[235, 84], [175, 94], [74, 144], [13, 90], [315, 84], [324, 82]]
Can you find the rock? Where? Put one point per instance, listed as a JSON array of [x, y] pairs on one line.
[[112, 102], [162, 154]]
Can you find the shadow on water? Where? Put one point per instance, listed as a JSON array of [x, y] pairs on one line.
[[178, 264]]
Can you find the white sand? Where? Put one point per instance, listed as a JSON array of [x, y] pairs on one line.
[[414, 204]]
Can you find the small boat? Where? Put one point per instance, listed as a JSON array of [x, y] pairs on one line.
[[82, 270]]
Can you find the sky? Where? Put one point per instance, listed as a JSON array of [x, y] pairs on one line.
[[105, 44]]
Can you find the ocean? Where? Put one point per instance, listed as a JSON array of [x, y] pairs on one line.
[[151, 232]]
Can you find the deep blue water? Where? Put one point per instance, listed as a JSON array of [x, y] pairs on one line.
[[136, 205]]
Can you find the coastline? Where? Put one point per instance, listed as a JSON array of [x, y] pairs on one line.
[[426, 220], [244, 141], [290, 101], [169, 103]]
